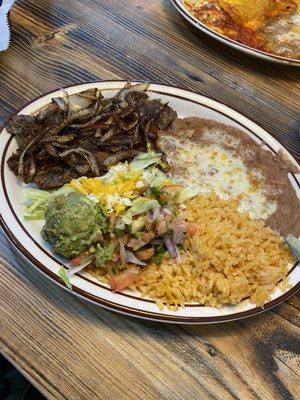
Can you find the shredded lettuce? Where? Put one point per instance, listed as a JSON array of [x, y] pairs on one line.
[[138, 225], [156, 178], [186, 194], [103, 254], [144, 160], [37, 202], [64, 277], [139, 206]]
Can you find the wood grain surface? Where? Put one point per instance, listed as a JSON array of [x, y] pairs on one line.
[[73, 350]]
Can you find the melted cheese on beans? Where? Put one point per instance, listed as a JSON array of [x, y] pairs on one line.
[[212, 167]]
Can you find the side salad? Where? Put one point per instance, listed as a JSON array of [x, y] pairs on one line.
[[120, 222]]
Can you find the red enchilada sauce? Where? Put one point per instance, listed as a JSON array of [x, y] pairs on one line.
[[212, 15]]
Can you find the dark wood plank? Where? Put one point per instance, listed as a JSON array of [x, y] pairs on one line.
[[213, 361]]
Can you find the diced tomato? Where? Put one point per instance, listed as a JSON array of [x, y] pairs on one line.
[[148, 236], [164, 198], [145, 254], [149, 224], [114, 241], [124, 279], [191, 229], [135, 243], [77, 260], [126, 238]]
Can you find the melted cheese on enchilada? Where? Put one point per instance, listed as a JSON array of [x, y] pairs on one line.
[[268, 25]]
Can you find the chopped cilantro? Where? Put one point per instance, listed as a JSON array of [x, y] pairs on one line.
[[159, 253], [114, 270], [156, 192], [119, 232], [157, 258], [128, 228]]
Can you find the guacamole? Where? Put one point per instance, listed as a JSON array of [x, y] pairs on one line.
[[73, 223]]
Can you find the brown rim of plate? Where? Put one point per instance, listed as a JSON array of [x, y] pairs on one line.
[[182, 9], [109, 304]]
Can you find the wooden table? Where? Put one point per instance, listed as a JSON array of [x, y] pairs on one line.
[[73, 350]]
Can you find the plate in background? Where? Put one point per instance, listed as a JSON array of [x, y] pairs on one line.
[[178, 4]]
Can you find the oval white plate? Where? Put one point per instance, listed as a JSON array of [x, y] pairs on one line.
[[27, 239], [230, 42]]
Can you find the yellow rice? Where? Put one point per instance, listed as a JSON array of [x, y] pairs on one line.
[[231, 257]]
